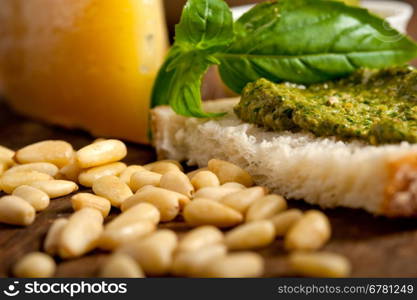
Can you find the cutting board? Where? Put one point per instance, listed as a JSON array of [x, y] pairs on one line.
[[376, 246]]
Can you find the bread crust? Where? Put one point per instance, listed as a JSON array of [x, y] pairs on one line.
[[401, 188], [399, 196]]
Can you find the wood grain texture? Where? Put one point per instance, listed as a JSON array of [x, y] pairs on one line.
[[375, 246]]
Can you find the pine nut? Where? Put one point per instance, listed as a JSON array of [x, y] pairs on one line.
[[142, 178], [10, 181], [55, 188], [200, 237], [58, 153], [126, 175], [249, 236], [101, 153], [16, 211], [204, 179], [97, 140], [285, 220], [35, 197], [3, 168], [88, 177], [72, 170], [178, 182], [120, 265], [167, 202], [114, 236], [320, 264], [191, 174], [130, 225], [194, 263], [8, 161], [214, 193], [154, 252], [265, 208], [228, 172], [82, 200], [51, 243], [163, 166], [6, 152], [81, 234], [241, 200], [235, 186], [311, 232], [208, 212], [35, 265], [237, 265], [140, 212], [42, 167], [112, 188]]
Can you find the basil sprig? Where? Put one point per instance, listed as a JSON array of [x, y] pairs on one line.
[[301, 41], [206, 28]]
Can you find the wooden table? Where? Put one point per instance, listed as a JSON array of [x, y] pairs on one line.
[[375, 246]]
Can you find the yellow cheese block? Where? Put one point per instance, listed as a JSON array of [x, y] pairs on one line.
[[83, 63]]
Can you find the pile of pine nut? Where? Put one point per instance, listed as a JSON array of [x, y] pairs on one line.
[[222, 195]]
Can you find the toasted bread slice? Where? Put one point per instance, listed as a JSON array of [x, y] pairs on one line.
[[324, 171]]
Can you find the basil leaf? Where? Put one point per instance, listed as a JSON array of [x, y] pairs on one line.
[[205, 24], [164, 79], [206, 27], [302, 41], [179, 83], [185, 91], [308, 41]]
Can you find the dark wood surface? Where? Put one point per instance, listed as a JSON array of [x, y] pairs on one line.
[[375, 246]]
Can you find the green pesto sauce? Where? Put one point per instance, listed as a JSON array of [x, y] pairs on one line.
[[374, 106]]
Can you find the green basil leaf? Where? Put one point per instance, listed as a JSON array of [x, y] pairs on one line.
[[185, 90], [206, 27], [164, 79], [178, 83], [308, 41], [205, 24], [302, 41], [257, 17]]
